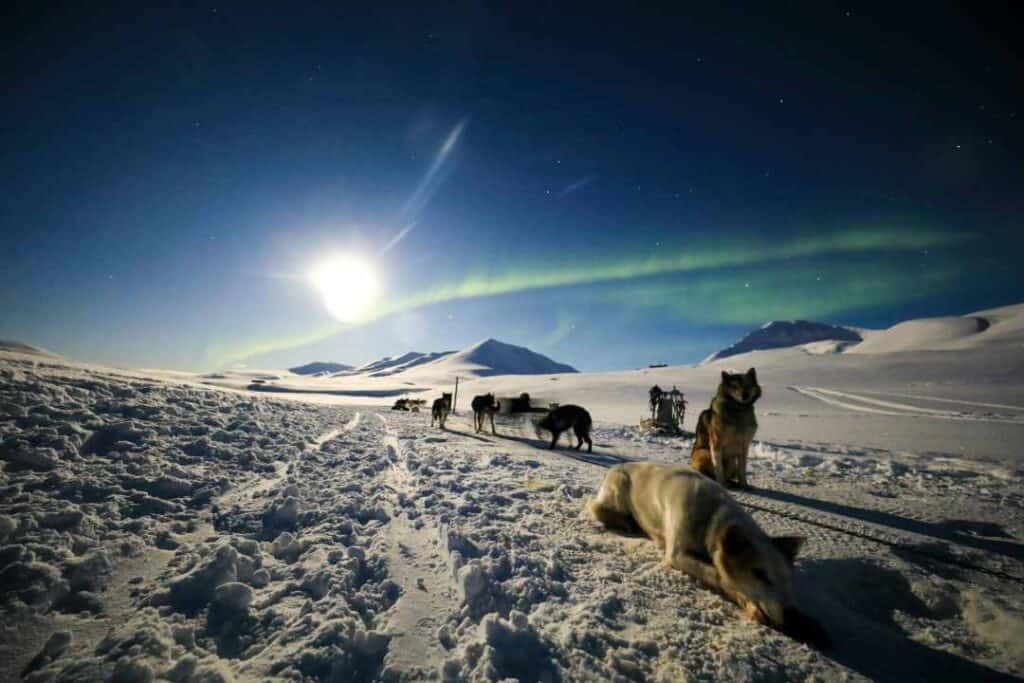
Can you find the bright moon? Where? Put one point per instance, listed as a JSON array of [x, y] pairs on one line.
[[347, 285]]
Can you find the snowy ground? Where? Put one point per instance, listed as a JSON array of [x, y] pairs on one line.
[[155, 528]]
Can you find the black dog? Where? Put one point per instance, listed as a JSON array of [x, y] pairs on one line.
[[565, 417], [483, 405]]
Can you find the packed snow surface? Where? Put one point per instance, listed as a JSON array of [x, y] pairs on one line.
[[155, 527]]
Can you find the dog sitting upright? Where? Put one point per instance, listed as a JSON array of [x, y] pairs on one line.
[[725, 430], [705, 533]]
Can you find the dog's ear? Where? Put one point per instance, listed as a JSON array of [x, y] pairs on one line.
[[734, 541], [752, 374], [789, 546], [725, 377]]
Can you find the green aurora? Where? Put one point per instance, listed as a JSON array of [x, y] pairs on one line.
[[736, 280]]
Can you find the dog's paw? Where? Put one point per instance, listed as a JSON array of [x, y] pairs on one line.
[[754, 614]]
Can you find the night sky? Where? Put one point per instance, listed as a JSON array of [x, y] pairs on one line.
[[611, 189]]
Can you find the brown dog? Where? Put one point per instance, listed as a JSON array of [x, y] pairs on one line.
[[725, 430], [703, 532]]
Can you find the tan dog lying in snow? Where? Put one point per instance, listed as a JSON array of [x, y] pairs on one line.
[[705, 533]]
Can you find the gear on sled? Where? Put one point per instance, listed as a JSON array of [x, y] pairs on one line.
[[667, 411]]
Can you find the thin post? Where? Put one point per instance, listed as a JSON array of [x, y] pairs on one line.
[[455, 397]]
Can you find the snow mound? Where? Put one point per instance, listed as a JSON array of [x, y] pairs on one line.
[[916, 335], [785, 333], [320, 368], [995, 326], [492, 357]]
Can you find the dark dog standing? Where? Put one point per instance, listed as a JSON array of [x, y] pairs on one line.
[[568, 417], [482, 406], [439, 411]]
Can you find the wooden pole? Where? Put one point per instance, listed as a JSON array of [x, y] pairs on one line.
[[455, 397]]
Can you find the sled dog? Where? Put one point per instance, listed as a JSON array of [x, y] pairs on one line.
[[705, 533], [483, 406], [565, 417], [439, 412], [725, 430]]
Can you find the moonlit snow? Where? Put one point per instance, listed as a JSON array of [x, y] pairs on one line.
[[183, 527]]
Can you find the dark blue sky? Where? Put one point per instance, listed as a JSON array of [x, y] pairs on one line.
[[620, 188]]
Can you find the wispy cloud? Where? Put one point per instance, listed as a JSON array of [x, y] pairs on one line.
[[398, 237], [578, 184], [434, 176]]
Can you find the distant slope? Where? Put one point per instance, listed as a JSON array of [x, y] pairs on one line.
[[391, 365], [785, 333], [492, 357], [984, 328], [320, 368], [23, 348]]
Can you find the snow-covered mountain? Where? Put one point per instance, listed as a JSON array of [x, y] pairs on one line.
[[320, 368], [392, 365], [492, 357], [23, 348], [483, 359], [785, 333]]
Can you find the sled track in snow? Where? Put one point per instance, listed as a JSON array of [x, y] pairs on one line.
[[871, 533], [878, 406], [416, 563]]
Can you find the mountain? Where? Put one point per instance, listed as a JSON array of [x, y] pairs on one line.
[[23, 348], [784, 333], [320, 368], [391, 365], [492, 357]]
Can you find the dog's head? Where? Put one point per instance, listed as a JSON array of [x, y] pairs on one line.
[[758, 568], [741, 387]]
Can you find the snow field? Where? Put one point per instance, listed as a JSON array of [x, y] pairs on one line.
[[153, 530]]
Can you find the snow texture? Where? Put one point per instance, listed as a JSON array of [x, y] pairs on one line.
[[154, 528]]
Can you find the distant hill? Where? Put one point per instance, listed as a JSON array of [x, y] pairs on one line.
[[785, 333], [492, 357], [392, 365], [993, 327], [483, 359], [320, 368], [22, 347]]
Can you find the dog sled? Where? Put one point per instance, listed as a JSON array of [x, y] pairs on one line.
[[668, 408]]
